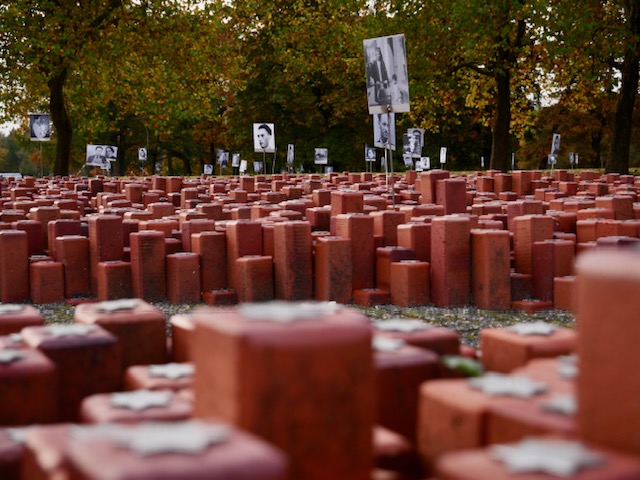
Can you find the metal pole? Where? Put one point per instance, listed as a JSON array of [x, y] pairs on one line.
[[41, 168], [390, 159]]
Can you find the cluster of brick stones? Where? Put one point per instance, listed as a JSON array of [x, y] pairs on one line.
[[315, 390]]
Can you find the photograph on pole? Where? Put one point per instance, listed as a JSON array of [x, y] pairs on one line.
[[384, 130], [40, 127], [264, 138], [387, 76]]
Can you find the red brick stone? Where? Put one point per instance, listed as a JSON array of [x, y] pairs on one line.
[[607, 303], [410, 283], [451, 193], [73, 252], [417, 237], [211, 246], [16, 317], [436, 339], [33, 228], [385, 256], [47, 282], [529, 229], [428, 184], [140, 377], [137, 321], [451, 416], [183, 278], [359, 229], [283, 375], [14, 266], [219, 298], [75, 355], [239, 456], [182, 330], [346, 201], [531, 306], [243, 238], [398, 377], [386, 224], [369, 297], [191, 227], [59, 228], [148, 271], [11, 453], [114, 280], [333, 269], [254, 275], [490, 269], [478, 464], [292, 260], [450, 261], [105, 243], [564, 292], [503, 351], [28, 389]]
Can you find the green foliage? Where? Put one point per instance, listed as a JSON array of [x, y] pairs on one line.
[[185, 77]]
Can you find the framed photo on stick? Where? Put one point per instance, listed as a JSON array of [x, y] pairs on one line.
[[387, 77], [264, 138]]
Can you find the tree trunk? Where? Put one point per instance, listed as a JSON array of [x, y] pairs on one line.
[[621, 141], [61, 122], [501, 124]]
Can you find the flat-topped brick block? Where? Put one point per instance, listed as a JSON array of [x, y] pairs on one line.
[[72, 251], [218, 452], [333, 269], [14, 266], [148, 265], [410, 283], [254, 277], [130, 320], [287, 349], [504, 349], [135, 407], [359, 229], [183, 278], [46, 280], [292, 260], [399, 374], [14, 317], [166, 376], [76, 350], [29, 387], [607, 302], [490, 269], [450, 261]]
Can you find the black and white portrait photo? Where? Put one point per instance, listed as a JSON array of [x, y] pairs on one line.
[[243, 166], [369, 153], [235, 160], [384, 130], [418, 134], [408, 161], [321, 156], [208, 169], [290, 154], [443, 155], [425, 163], [96, 156], [257, 167], [555, 149], [387, 75], [111, 153], [264, 138], [142, 154], [39, 126]]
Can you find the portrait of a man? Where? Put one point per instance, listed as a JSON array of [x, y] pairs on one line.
[[386, 73], [384, 130], [264, 138], [96, 156]]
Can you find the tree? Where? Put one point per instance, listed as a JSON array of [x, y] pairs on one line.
[[40, 42]]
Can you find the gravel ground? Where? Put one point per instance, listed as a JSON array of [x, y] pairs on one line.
[[467, 321]]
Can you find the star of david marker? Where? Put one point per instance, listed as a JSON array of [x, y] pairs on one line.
[[554, 457], [172, 370], [497, 384], [535, 328], [140, 399]]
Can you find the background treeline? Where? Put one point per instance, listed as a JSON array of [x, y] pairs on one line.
[[488, 78]]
